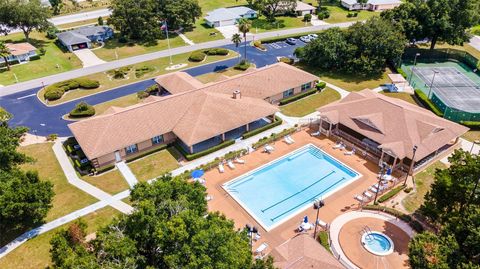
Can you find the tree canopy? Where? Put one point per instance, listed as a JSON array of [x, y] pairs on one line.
[[141, 19], [364, 48], [437, 20], [170, 228], [453, 206], [24, 15]]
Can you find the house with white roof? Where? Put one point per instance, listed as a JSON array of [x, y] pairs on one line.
[[372, 5], [229, 16]]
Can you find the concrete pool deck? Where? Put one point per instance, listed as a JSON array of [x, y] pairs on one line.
[[338, 203]]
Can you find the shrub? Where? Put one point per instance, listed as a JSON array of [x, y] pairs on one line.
[[120, 73], [53, 94], [81, 110], [34, 57], [277, 122], [273, 137], [391, 193], [408, 190], [142, 94], [428, 103], [324, 13], [86, 83], [152, 89], [323, 239], [197, 56], [355, 14], [56, 90], [349, 15], [105, 169], [417, 226], [216, 51], [471, 124], [321, 85], [286, 60], [242, 65], [145, 153], [297, 97], [258, 44], [142, 70], [52, 137], [122, 39], [197, 155], [51, 32], [307, 17]]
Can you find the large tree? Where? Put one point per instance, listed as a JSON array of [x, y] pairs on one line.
[[170, 228], [4, 53], [56, 6], [363, 48], [444, 20], [25, 15]]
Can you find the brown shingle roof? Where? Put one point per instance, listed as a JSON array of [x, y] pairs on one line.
[[302, 252], [20, 48], [393, 123], [178, 82]]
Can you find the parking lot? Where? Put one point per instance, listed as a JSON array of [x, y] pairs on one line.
[[278, 45]]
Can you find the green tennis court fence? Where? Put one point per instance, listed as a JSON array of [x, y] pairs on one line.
[[427, 55]]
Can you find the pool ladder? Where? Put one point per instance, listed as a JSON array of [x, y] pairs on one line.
[[367, 230]]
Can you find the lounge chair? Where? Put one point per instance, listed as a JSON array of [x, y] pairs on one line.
[[373, 189], [317, 133], [289, 137], [367, 194], [339, 145], [269, 148], [240, 161], [322, 223], [220, 168], [288, 141], [261, 248], [230, 164], [351, 152], [257, 237], [360, 198], [209, 198]]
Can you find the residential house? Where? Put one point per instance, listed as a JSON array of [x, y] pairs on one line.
[[372, 5], [194, 115], [19, 52], [82, 37], [229, 16], [302, 9], [388, 129]]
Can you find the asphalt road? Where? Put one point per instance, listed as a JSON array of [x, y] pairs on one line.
[[35, 83], [29, 111]]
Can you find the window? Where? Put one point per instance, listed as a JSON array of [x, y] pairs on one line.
[[131, 149], [288, 93], [306, 86], [157, 139]]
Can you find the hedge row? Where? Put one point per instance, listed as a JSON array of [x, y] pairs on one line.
[[82, 110], [242, 65], [286, 60], [145, 153], [277, 122], [428, 103], [297, 97], [417, 226], [197, 56], [217, 51], [471, 124], [272, 137], [391, 193], [323, 239], [197, 155], [56, 90], [401, 72]]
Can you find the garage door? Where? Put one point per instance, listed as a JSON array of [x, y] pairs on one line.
[[80, 46], [227, 22]]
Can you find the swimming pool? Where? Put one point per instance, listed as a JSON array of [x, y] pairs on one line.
[[275, 192]]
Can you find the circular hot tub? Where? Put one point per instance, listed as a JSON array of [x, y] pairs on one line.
[[377, 243]]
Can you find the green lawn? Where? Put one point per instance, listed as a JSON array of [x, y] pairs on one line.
[[111, 181], [123, 101], [476, 30], [203, 33], [153, 165], [401, 95], [34, 253], [159, 65], [339, 14], [209, 5], [67, 197], [310, 103], [67, 26], [349, 82], [472, 135], [217, 76], [261, 24], [54, 61], [423, 180]]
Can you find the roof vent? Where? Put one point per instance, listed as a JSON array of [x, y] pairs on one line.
[[237, 94]]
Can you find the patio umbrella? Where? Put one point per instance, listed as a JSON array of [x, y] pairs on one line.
[[198, 173], [305, 219]]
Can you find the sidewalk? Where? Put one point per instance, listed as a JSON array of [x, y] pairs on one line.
[[127, 173]]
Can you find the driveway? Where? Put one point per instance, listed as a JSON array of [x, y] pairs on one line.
[[229, 31], [88, 58]]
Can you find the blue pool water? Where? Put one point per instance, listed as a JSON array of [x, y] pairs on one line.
[[276, 191], [377, 243]]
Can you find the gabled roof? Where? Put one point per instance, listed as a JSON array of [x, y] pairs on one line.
[[20, 48], [301, 6], [178, 82], [224, 14], [393, 123], [79, 35], [302, 252], [71, 38]]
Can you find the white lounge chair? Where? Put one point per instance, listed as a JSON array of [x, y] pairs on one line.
[[240, 161], [373, 189], [261, 248], [269, 148], [288, 141], [322, 223], [339, 145], [351, 152], [209, 198], [257, 237], [230, 164], [360, 198], [220, 168], [367, 194], [317, 133]]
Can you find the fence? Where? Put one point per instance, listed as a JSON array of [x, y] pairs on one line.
[[440, 55]]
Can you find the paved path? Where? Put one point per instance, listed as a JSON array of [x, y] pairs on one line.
[[35, 83], [466, 146], [475, 42], [83, 16], [127, 173], [88, 58], [73, 179], [185, 39]]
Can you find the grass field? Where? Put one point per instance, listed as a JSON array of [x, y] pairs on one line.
[[310, 103], [339, 14], [107, 83], [54, 61], [67, 26], [203, 33], [423, 180], [34, 253], [153, 165], [349, 82], [67, 197], [111, 181], [261, 24], [401, 95], [209, 5], [472, 135]]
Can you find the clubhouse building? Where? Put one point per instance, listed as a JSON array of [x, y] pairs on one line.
[[194, 115]]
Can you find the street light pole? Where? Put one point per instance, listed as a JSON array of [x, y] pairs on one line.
[[411, 166], [379, 181], [414, 64], [318, 204], [431, 85]]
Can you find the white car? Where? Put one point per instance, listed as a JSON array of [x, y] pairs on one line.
[[305, 39], [313, 36]]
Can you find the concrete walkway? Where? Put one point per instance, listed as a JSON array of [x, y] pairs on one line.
[[466, 146], [73, 179], [88, 58], [185, 39], [343, 93], [127, 173], [475, 42]]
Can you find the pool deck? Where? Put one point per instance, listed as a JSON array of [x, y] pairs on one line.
[[338, 203]]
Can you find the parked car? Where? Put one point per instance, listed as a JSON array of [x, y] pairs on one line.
[[313, 36], [305, 39], [291, 41]]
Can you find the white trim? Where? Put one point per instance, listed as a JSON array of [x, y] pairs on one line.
[[388, 252]]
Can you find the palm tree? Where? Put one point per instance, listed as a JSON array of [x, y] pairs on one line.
[[4, 53], [236, 39], [244, 26]]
